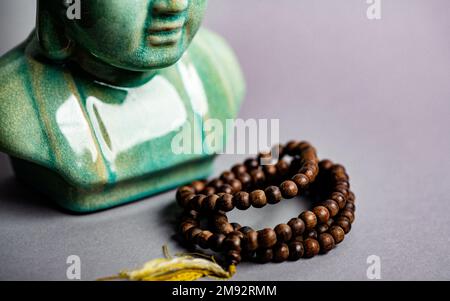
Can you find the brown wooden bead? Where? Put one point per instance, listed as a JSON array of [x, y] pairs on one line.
[[185, 226], [209, 203], [219, 218], [348, 214], [350, 206], [270, 172], [225, 202], [251, 164], [258, 198], [245, 180], [312, 234], [244, 230], [216, 183], [344, 223], [342, 189], [258, 177], [196, 202], [215, 242], [203, 238], [298, 239], [284, 233], [310, 219], [296, 250], [192, 233], [326, 242], [351, 197], [297, 226], [239, 169], [184, 194], [301, 180], [288, 189], [322, 228], [224, 228], [236, 226], [291, 148], [264, 255], [209, 191], [339, 198], [227, 176], [242, 200], [312, 247], [233, 257], [267, 238], [226, 188], [198, 186], [281, 252], [332, 206], [250, 240], [337, 233], [282, 168], [326, 164], [235, 185], [322, 214], [308, 172], [330, 222], [232, 242], [273, 194]]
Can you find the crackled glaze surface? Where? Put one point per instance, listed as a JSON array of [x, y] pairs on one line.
[[89, 108]]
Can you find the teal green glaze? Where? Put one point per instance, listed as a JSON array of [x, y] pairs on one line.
[[89, 108]]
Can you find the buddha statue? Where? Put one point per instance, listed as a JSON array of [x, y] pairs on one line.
[[89, 106]]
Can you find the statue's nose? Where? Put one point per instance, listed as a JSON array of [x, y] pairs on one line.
[[170, 6]]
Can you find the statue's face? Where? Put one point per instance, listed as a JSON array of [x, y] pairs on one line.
[[137, 34]]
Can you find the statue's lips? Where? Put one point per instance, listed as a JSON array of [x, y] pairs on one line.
[[165, 32]]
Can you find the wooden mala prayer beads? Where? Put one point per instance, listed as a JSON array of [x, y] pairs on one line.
[[247, 185]]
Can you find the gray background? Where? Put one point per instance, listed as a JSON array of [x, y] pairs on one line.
[[373, 95]]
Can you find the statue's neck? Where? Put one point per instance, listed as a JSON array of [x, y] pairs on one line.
[[109, 74]]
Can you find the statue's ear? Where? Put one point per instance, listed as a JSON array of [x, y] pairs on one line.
[[51, 32]]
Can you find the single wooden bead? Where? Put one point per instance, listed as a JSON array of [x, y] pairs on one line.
[[209, 191], [350, 206], [184, 195], [339, 198], [233, 257], [308, 172], [337, 233], [203, 238], [281, 252], [264, 255], [235, 185], [310, 219], [192, 233], [322, 214], [351, 197], [226, 188], [225, 202], [326, 164], [227, 176], [267, 238], [215, 242], [196, 202], [332, 206], [250, 240], [270, 172], [288, 189], [258, 177], [242, 200], [312, 247], [301, 180], [322, 228], [244, 230], [232, 242], [224, 228], [348, 214], [284, 233], [198, 186], [251, 163], [344, 223], [209, 203], [342, 189], [185, 226], [273, 194], [296, 250], [218, 217], [297, 226], [258, 198], [245, 180], [312, 234], [239, 169], [236, 226], [216, 183], [282, 168], [326, 242]]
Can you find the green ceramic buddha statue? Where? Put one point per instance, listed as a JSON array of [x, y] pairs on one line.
[[89, 107]]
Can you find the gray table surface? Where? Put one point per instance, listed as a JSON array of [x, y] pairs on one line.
[[373, 95]]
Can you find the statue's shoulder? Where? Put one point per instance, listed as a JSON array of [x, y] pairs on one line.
[[212, 54], [21, 132]]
